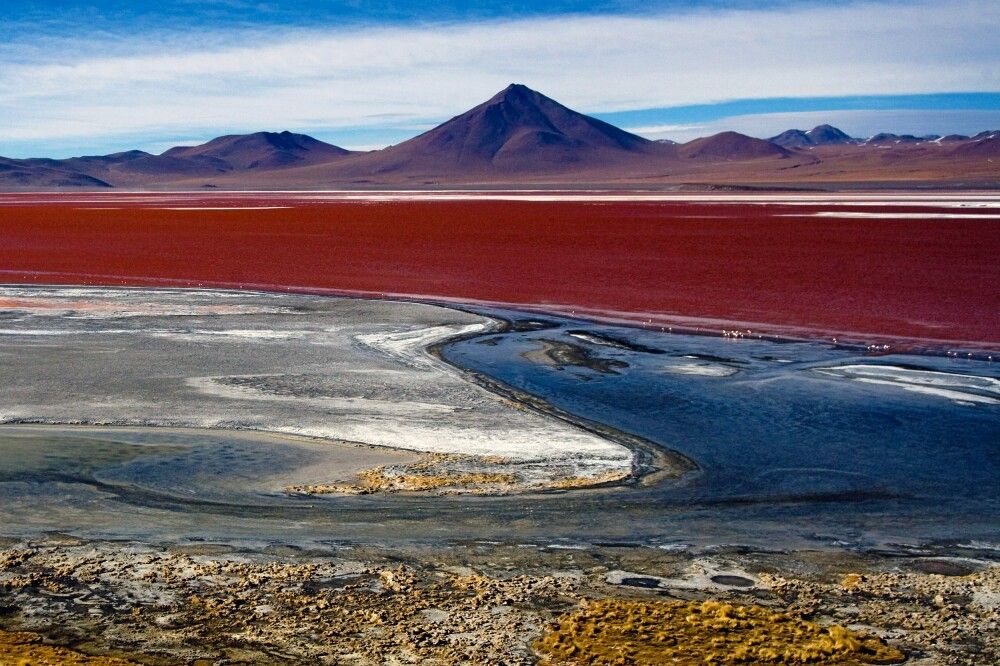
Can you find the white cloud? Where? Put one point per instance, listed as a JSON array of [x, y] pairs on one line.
[[670, 131], [343, 77], [362, 147]]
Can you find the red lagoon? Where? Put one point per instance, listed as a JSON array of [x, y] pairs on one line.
[[908, 268]]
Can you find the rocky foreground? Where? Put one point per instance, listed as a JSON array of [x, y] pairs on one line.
[[117, 603]]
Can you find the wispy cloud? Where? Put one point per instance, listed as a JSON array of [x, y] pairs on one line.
[[208, 83], [669, 131]]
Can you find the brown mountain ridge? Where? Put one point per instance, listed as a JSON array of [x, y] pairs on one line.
[[520, 136]]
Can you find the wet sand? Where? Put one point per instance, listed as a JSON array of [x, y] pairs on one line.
[[185, 464]]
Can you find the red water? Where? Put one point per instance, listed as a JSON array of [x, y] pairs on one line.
[[773, 263]]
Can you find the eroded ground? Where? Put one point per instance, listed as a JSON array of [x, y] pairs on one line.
[[495, 603]]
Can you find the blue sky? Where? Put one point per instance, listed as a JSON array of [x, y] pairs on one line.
[[93, 77], [215, 14]]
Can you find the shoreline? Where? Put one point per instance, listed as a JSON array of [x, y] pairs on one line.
[[652, 463], [871, 343]]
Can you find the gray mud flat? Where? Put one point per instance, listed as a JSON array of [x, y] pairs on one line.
[[344, 370]]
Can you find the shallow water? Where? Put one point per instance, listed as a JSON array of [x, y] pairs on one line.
[[911, 442], [789, 454]]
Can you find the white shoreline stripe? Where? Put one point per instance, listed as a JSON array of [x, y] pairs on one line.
[[902, 216], [251, 200], [955, 387]]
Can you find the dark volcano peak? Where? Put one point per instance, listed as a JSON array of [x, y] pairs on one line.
[[518, 129], [515, 92]]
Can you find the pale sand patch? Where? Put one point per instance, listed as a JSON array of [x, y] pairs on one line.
[[901, 216], [703, 369], [951, 386]]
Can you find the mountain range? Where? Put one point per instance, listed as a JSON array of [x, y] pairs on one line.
[[520, 136]]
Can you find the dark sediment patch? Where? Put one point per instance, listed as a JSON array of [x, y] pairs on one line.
[[730, 580], [943, 567], [638, 581], [526, 325], [560, 354], [713, 358], [610, 340], [653, 462]]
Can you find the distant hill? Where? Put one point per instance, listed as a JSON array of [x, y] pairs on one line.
[[21, 174], [731, 146], [886, 138], [821, 135], [237, 153], [261, 150], [984, 144], [133, 167]]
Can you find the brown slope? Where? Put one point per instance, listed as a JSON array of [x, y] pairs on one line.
[[24, 175], [260, 150], [731, 146], [988, 146]]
